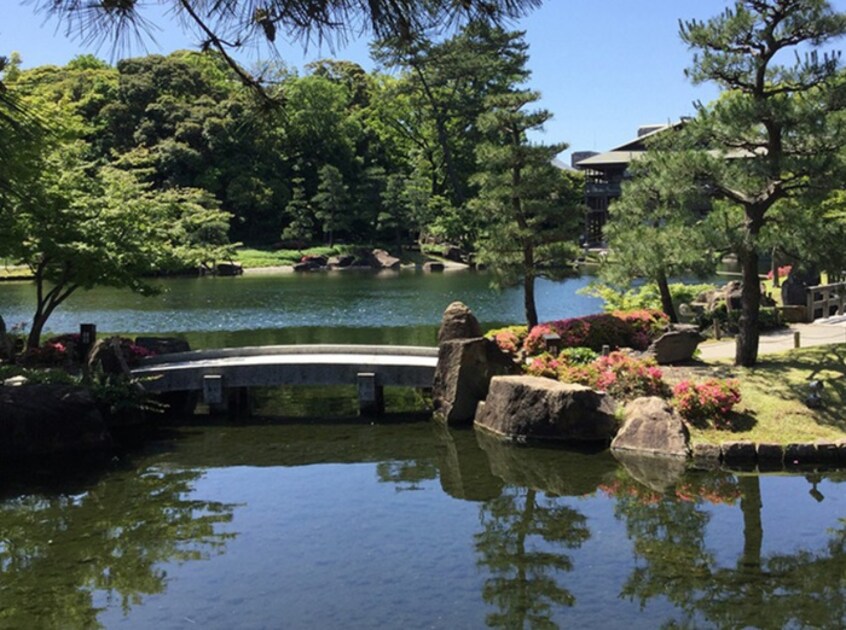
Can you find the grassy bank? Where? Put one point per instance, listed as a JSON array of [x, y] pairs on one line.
[[773, 408]]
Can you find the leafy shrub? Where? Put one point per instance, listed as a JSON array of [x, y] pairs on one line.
[[509, 339], [768, 319], [51, 353], [621, 375], [645, 296], [578, 355], [710, 402], [545, 365], [633, 329]]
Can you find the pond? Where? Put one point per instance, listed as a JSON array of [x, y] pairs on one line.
[[305, 517], [285, 523], [349, 306]]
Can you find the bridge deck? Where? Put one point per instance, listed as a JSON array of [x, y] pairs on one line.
[[290, 365]]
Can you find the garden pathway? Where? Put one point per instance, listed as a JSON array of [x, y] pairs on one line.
[[819, 333]]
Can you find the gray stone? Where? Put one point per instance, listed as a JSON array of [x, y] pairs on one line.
[[380, 259], [15, 381], [739, 453], [453, 253], [675, 346], [706, 456], [463, 375], [770, 456], [306, 265], [531, 407], [229, 269], [458, 322], [653, 427], [341, 262], [827, 453], [800, 454], [41, 420], [432, 265]]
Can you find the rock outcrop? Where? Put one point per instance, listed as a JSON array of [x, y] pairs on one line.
[[458, 322], [530, 407], [676, 345], [380, 259], [463, 375], [653, 427]]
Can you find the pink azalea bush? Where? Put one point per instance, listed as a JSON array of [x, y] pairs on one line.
[[620, 375], [711, 401], [633, 329], [508, 339]]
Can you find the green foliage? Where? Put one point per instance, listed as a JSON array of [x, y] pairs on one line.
[[646, 296], [772, 143], [528, 204]]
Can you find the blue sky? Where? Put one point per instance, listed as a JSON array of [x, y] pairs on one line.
[[603, 67]]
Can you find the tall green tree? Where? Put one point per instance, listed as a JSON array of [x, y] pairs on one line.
[[331, 202], [772, 133], [84, 225], [448, 82], [531, 210], [656, 228]]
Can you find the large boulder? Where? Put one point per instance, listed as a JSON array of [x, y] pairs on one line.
[[458, 322], [340, 262], [380, 259], [653, 427], [41, 420], [462, 377], [676, 345], [531, 407]]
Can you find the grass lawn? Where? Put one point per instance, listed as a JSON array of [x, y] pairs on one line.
[[251, 258], [773, 397]]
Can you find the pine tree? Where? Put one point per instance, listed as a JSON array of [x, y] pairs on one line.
[[531, 221], [771, 132]]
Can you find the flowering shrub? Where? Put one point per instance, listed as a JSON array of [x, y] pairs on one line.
[[544, 364], [509, 339], [51, 353], [646, 322], [782, 272], [633, 329], [619, 374], [709, 402]]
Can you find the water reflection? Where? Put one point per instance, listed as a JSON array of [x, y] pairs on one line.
[[669, 530], [72, 550], [412, 522]]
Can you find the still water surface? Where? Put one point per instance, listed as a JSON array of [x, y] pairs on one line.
[[300, 308], [302, 517], [315, 524]]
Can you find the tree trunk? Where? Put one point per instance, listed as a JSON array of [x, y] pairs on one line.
[[38, 321], [746, 352], [774, 268], [529, 286], [666, 296]]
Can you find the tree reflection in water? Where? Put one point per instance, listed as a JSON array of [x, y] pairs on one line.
[[66, 555], [520, 545], [668, 529]]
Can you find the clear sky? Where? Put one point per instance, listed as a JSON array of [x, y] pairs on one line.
[[604, 68]]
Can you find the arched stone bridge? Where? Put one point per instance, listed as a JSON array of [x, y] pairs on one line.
[[220, 373]]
